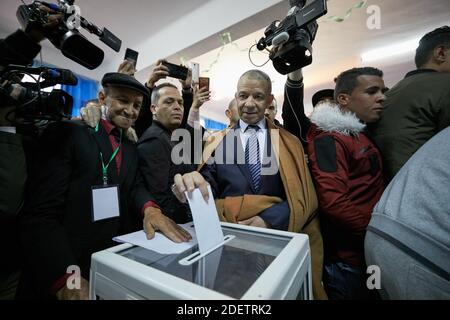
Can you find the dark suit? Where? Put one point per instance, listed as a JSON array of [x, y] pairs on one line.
[[230, 180], [294, 118], [17, 48], [158, 171], [57, 229], [13, 174]]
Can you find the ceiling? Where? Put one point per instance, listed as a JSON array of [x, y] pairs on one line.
[[155, 28], [131, 20], [190, 30], [337, 47]]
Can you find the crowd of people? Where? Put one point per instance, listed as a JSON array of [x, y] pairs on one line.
[[365, 176]]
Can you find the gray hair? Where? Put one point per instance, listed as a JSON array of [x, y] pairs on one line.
[[258, 75], [155, 91]]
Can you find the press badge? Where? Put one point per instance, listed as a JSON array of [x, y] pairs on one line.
[[105, 202]]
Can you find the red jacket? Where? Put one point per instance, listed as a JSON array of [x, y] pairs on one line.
[[347, 171]]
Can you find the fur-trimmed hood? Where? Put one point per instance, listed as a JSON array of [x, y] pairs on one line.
[[330, 117]]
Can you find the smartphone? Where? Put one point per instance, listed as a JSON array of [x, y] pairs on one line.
[[195, 72], [176, 71], [203, 82], [131, 56]]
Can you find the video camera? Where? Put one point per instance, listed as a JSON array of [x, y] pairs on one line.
[[66, 36], [293, 37], [31, 103]]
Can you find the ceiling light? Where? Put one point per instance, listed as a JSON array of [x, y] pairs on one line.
[[390, 51]]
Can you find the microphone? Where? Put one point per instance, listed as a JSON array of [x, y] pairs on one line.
[[61, 76], [281, 38]]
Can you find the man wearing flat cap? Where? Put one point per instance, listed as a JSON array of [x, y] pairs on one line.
[[80, 194], [326, 95]]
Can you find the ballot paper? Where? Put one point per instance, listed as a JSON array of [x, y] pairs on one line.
[[160, 243], [206, 221]]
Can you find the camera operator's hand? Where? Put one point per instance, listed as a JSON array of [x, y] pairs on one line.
[[187, 84], [200, 97], [54, 20], [127, 67], [159, 72]]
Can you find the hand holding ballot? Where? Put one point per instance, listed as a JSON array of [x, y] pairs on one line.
[[188, 182], [192, 187]]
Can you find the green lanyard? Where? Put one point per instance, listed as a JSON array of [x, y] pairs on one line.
[[105, 167]]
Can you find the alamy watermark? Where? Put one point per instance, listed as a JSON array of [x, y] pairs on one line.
[[73, 282], [74, 20], [374, 20], [374, 280]]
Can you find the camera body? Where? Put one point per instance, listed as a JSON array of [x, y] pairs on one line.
[[66, 36], [293, 37], [30, 102], [52, 106]]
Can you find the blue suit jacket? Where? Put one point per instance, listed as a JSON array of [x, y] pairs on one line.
[[229, 176]]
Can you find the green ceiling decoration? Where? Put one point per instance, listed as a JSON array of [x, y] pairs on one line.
[[357, 5]]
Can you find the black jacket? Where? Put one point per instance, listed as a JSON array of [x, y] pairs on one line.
[[158, 170], [416, 108], [15, 154], [57, 230], [294, 119]]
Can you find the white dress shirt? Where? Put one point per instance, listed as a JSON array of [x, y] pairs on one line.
[[261, 134]]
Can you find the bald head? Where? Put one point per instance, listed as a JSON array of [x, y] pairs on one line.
[[232, 112], [271, 110], [232, 104]]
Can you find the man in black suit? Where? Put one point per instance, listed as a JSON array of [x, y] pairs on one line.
[[77, 169], [156, 164], [16, 149], [258, 173]]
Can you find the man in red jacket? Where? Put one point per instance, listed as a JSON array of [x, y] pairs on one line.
[[347, 169]]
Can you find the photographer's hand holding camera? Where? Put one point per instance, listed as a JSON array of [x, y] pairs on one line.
[[127, 67], [159, 72], [201, 95]]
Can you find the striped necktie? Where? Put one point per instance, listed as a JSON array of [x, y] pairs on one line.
[[252, 158]]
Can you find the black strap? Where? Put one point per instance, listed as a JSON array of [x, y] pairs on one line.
[[412, 253]]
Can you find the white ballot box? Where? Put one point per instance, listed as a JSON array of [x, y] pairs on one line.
[[256, 264]]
